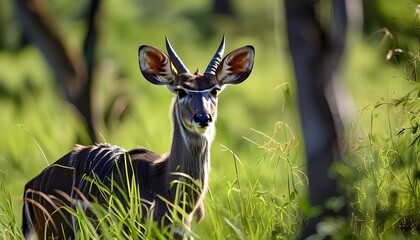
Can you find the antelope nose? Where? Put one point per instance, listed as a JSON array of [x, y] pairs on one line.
[[202, 119]]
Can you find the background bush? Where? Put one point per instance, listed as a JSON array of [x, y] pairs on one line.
[[258, 177]]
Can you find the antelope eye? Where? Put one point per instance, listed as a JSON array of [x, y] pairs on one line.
[[215, 92], [181, 93]]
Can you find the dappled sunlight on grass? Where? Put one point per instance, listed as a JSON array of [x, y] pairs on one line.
[[258, 182]]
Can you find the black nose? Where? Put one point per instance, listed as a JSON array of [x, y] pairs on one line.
[[202, 119]]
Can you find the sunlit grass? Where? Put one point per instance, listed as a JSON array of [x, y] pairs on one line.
[[257, 182], [260, 205], [9, 224]]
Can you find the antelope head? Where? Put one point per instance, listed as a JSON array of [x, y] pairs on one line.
[[196, 104]]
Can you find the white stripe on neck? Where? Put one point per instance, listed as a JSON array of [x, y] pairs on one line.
[[180, 125], [199, 91]]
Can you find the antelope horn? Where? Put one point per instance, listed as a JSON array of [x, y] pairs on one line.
[[176, 61], [217, 58]]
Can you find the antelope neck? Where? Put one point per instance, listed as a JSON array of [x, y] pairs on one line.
[[190, 153]]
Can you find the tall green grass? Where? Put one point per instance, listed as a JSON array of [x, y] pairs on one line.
[[380, 175], [250, 207], [384, 185], [257, 182], [9, 224], [381, 184]]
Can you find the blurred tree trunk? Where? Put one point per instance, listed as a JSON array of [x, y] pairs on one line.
[[72, 68], [223, 7], [316, 54]]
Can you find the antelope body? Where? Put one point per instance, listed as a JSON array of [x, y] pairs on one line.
[[67, 182]]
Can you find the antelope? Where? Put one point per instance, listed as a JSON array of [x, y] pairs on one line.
[[67, 182]]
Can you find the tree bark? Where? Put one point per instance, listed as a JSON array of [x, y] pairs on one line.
[[72, 69], [316, 54]]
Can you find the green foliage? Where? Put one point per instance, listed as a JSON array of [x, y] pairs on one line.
[[385, 185], [116, 220], [256, 205], [257, 183], [9, 225]]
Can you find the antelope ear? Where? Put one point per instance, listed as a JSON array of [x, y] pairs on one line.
[[236, 66], [155, 66]]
